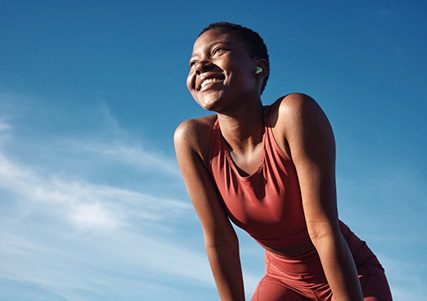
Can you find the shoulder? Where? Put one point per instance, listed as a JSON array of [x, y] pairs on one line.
[[194, 134], [296, 105], [300, 121], [297, 110]]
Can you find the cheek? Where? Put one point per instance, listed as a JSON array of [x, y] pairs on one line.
[[190, 81], [239, 71], [246, 78]]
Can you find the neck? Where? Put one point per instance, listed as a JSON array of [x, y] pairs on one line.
[[243, 128]]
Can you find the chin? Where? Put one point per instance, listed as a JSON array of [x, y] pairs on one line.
[[211, 101]]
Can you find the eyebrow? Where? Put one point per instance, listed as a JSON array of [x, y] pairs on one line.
[[210, 46]]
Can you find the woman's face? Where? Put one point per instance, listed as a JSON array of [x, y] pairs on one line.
[[221, 71]]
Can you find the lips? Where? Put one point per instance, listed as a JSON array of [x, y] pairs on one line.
[[207, 79]]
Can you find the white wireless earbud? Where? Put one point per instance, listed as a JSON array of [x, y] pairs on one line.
[[258, 70]]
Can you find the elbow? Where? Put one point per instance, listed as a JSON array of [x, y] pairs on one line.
[[321, 235]]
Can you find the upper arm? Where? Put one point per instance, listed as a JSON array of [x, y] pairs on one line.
[[312, 146], [216, 226]]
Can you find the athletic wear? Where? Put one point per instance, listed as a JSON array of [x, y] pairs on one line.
[[267, 205]]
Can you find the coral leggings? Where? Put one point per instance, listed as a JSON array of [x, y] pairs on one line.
[[302, 279]]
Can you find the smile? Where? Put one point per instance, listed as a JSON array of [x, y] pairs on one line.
[[208, 81]]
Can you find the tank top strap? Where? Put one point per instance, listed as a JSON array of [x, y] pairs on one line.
[[267, 127]]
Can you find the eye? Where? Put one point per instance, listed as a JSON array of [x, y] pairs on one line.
[[217, 50], [192, 63]]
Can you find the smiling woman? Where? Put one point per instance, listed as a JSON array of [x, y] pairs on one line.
[[221, 67], [270, 170]]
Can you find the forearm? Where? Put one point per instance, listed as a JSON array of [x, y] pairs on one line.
[[339, 268], [227, 271]]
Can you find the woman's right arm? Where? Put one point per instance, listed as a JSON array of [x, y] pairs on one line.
[[221, 242]]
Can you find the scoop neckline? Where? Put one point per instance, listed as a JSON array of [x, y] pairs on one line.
[[231, 162], [236, 168]]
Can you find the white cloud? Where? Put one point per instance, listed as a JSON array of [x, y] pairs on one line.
[[84, 204], [70, 236], [93, 215], [137, 157], [63, 262]]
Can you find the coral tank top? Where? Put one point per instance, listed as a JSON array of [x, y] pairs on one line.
[[267, 204]]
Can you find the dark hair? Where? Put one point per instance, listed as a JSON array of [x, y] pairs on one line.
[[252, 40]]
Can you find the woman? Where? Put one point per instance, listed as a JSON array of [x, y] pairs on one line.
[[271, 170]]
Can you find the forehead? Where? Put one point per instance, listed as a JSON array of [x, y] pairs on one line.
[[214, 36]]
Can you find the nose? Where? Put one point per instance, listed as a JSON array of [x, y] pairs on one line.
[[202, 66]]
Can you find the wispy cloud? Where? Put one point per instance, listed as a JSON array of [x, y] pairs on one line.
[[138, 158], [70, 235], [85, 204]]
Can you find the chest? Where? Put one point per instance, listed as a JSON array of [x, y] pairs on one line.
[[268, 202]]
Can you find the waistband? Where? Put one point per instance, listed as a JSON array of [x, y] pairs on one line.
[[306, 262], [309, 261]]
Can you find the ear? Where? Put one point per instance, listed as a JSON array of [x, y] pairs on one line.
[[262, 64]]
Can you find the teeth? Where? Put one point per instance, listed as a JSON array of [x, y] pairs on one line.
[[207, 81]]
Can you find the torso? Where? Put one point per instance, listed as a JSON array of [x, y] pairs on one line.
[[287, 235], [264, 198]]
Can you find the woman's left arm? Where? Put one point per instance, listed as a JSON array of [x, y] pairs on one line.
[[312, 147]]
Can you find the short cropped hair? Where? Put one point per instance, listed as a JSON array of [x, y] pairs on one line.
[[251, 39]]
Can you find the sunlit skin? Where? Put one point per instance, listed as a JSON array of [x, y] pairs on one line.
[[219, 55], [235, 96], [302, 132]]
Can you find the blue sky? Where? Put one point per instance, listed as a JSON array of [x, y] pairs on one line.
[[93, 206]]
